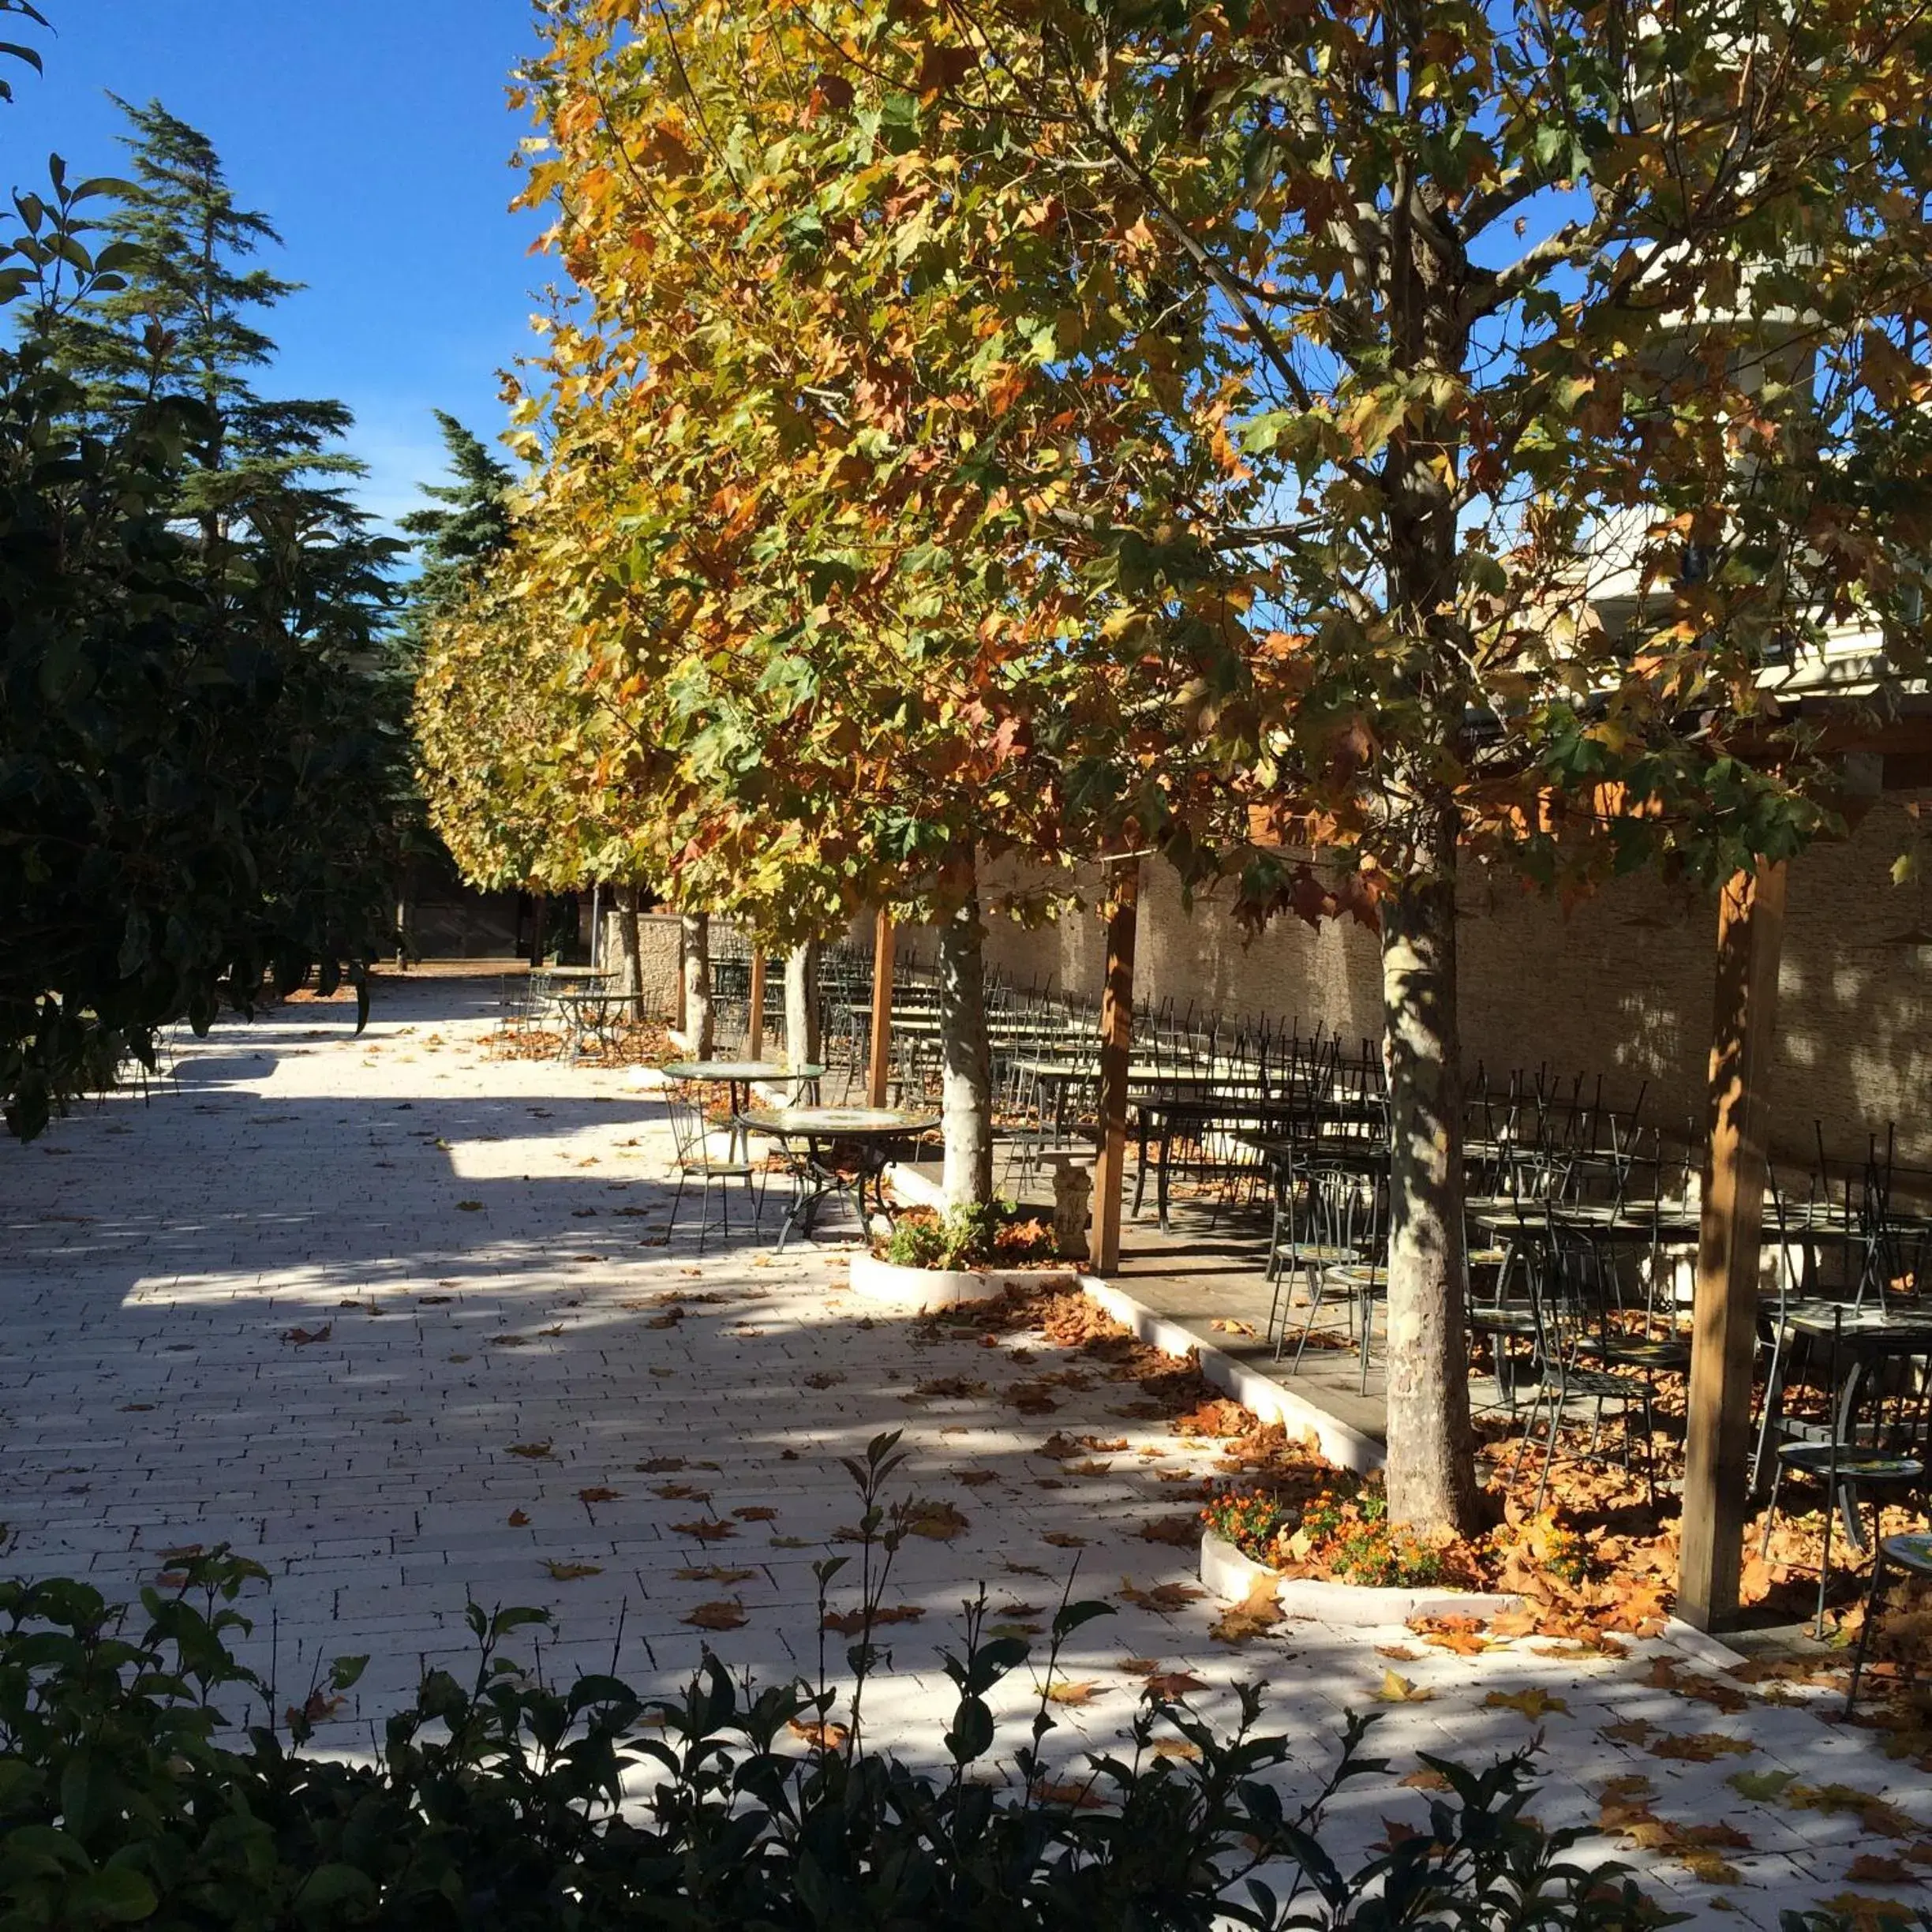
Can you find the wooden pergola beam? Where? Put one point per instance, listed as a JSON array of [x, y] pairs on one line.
[[1750, 928], [755, 1020], [880, 1068], [1116, 1055]]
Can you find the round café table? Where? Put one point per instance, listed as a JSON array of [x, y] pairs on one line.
[[739, 1077], [873, 1135]]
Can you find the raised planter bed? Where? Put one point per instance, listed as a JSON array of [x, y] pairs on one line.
[[1227, 1573], [937, 1288]]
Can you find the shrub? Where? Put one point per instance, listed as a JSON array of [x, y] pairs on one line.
[[990, 1233]]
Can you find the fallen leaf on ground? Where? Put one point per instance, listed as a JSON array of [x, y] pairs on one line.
[[1700, 1748], [470, 1207], [1664, 1675], [1462, 1634], [1064, 1539], [823, 1378], [707, 1529], [1426, 1778], [1256, 1613], [1871, 1915], [570, 1572], [1071, 1691], [820, 1736], [717, 1616], [1399, 1690], [850, 1623], [791, 1542], [1076, 1797], [713, 1573], [1165, 1598], [1228, 1326], [519, 1519], [756, 1512], [1173, 1684], [1875, 1868], [975, 1478], [1182, 1532], [1177, 1747], [1534, 1703], [530, 1451], [680, 1493], [940, 1521], [302, 1337], [599, 1496], [1400, 1653]]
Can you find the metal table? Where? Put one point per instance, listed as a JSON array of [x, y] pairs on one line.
[[589, 1015], [874, 1135]]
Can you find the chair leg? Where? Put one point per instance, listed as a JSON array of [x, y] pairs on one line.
[[1871, 1611], [1315, 1291], [1777, 1478], [1522, 1442], [1549, 1453], [1831, 1509]]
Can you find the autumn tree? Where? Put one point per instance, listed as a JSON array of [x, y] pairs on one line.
[[1564, 365], [839, 361]]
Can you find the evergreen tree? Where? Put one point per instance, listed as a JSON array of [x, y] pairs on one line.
[[204, 781], [186, 323], [467, 525]]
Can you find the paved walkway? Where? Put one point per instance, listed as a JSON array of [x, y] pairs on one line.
[[396, 1320]]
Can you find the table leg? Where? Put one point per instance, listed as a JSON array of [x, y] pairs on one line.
[[1160, 1186], [1140, 1165]]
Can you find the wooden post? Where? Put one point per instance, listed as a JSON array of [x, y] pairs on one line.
[[1750, 926], [754, 1021], [1116, 1052], [881, 1065]]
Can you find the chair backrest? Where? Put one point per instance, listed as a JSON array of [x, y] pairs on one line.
[[684, 1101]]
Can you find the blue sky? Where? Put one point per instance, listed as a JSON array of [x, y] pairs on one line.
[[374, 133]]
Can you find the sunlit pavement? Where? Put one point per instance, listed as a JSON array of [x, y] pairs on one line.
[[395, 1319]]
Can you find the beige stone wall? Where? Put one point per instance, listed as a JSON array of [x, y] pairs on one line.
[[1620, 985]]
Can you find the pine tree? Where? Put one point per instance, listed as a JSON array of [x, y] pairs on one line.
[[186, 325], [469, 525]]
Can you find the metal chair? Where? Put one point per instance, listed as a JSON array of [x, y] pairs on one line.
[[1565, 1298], [1911, 1556], [1848, 1453], [699, 1159]]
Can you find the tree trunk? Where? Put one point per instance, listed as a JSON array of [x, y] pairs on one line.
[[631, 949], [801, 1004], [1432, 1448], [966, 1102], [700, 1033]]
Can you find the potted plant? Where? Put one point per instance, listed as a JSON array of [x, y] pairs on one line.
[[930, 1259]]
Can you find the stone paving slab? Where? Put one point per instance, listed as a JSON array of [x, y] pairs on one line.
[[378, 1312]]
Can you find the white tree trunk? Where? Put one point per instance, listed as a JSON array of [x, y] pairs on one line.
[[967, 1103], [1432, 1447], [801, 1004], [700, 1031], [631, 948]]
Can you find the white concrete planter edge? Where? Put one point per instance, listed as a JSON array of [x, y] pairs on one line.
[[934, 1288], [1228, 1575]]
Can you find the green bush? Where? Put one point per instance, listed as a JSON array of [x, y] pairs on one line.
[[502, 1801], [963, 1237]]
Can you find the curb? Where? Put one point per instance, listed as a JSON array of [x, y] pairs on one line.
[[940, 1288], [1228, 1574], [1347, 1448]]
